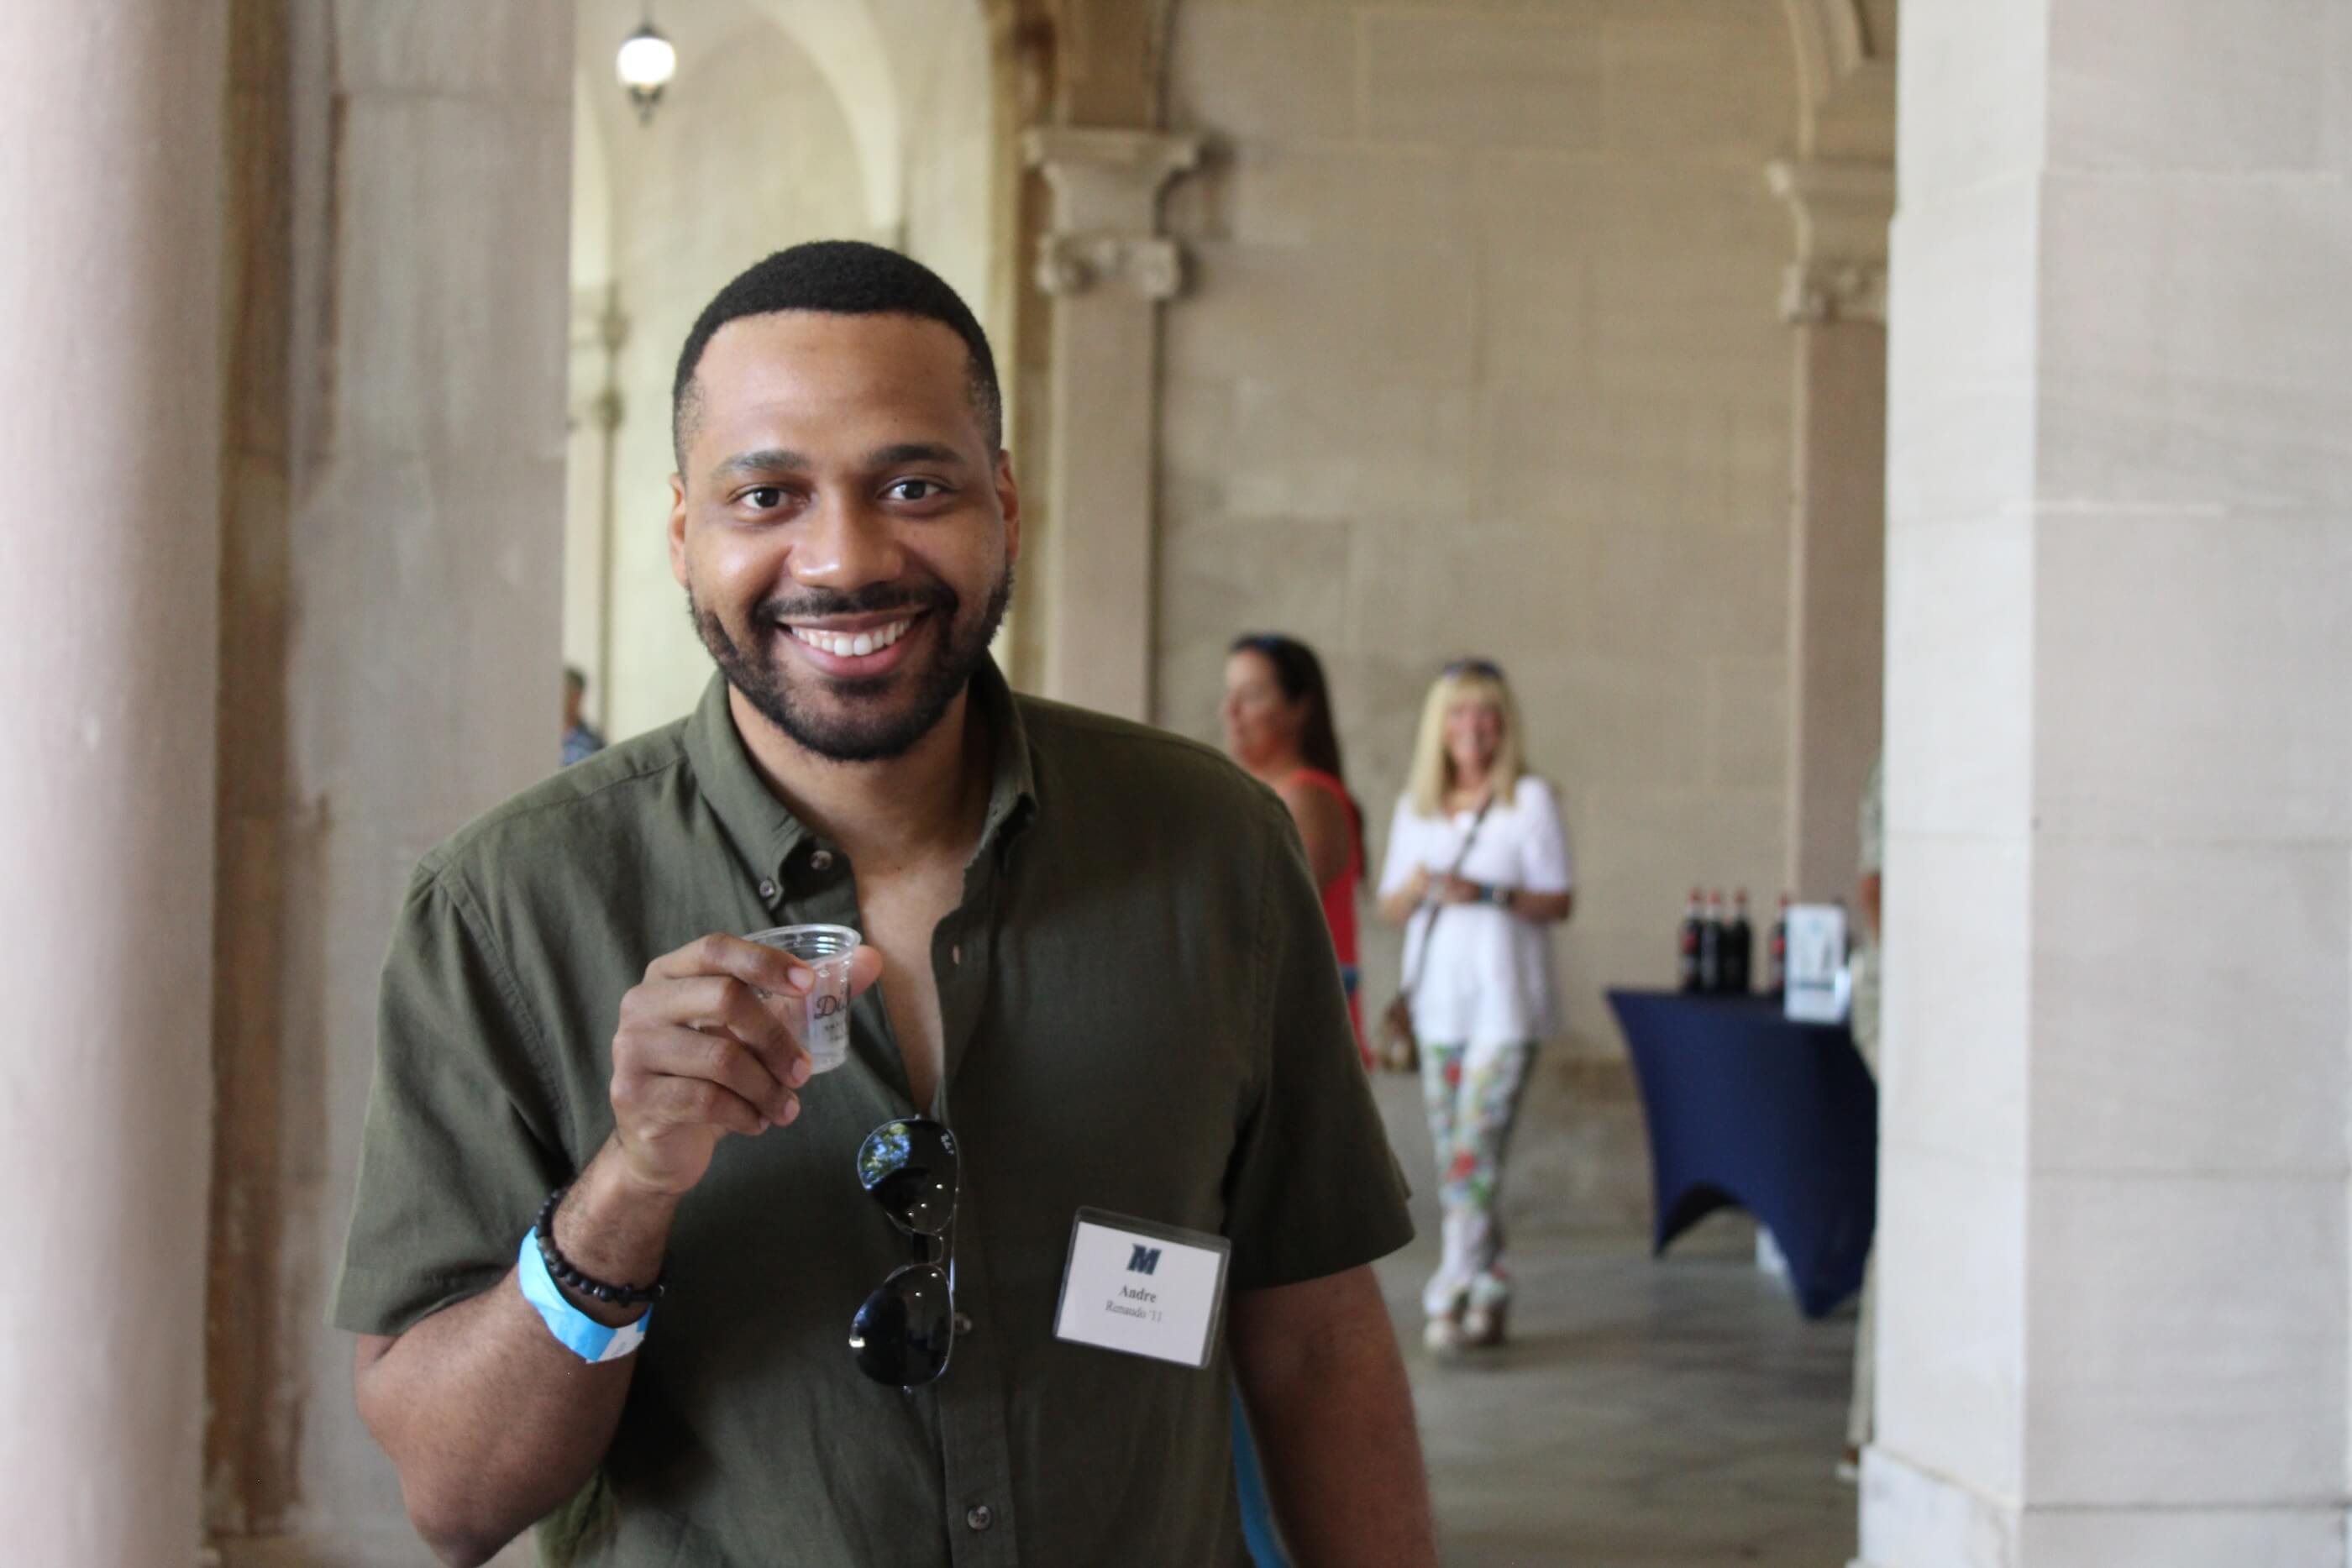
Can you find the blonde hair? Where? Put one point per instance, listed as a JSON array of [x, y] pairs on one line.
[[1433, 768]]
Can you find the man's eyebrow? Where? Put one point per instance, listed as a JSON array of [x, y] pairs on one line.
[[913, 452], [767, 460]]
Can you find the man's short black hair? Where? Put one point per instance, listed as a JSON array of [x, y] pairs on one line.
[[841, 278]]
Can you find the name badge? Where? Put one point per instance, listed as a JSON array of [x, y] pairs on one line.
[[1142, 1289]]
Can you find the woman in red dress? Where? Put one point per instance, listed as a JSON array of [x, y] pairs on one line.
[[1277, 718]]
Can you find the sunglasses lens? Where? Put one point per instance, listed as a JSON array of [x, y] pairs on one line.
[[903, 1333], [910, 1166]]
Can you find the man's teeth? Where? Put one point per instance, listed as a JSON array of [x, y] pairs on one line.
[[852, 645]]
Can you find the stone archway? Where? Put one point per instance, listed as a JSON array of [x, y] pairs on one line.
[[1846, 73]]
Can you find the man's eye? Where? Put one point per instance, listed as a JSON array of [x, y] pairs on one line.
[[765, 498], [917, 489]]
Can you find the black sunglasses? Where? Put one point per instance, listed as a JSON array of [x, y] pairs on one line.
[[1487, 668], [905, 1332]]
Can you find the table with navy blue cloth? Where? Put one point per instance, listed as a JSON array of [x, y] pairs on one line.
[[1781, 1119]]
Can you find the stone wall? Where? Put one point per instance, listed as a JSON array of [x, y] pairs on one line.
[[1483, 354]]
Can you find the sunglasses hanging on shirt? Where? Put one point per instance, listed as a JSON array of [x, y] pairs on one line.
[[905, 1330]]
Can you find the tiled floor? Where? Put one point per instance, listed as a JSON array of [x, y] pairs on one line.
[[1646, 1415]]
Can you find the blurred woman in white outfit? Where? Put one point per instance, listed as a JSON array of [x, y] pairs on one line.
[[1478, 963]]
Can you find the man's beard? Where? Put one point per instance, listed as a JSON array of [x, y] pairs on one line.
[[871, 731]]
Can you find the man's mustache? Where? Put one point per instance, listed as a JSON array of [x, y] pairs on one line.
[[881, 599]]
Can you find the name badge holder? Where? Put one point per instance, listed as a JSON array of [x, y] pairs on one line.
[[1142, 1288]]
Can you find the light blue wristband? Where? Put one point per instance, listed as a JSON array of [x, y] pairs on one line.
[[578, 1332]]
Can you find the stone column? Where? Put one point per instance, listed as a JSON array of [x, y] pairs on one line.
[[391, 602], [2118, 957], [110, 307], [1834, 299], [1107, 269]]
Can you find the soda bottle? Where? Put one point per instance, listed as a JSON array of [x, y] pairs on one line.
[[1738, 947], [1776, 976], [1693, 919], [1710, 945]]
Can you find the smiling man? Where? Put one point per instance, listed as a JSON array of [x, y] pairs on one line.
[[1100, 1151]]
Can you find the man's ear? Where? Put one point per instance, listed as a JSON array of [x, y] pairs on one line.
[[1008, 501]]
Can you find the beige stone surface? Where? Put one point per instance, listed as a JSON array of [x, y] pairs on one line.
[[1959, 672], [1485, 81], [2242, 401], [2186, 1339], [113, 383], [1694, 79], [2265, 64], [1973, 89], [1838, 603], [1954, 966], [1960, 442], [1272, 73], [2133, 1077], [1951, 1262], [1273, 312], [2143, 1537], [2180, 713]]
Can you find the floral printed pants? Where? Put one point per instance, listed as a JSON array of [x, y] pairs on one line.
[[1473, 1095]]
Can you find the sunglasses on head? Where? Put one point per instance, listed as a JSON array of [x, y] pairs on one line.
[[905, 1330], [1485, 667]]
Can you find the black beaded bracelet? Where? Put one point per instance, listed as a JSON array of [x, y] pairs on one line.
[[566, 1273]]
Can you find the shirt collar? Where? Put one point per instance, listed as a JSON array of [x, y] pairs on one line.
[[766, 832]]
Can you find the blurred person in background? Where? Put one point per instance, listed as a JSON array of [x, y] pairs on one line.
[[1873, 825], [1477, 870], [580, 741], [1277, 721]]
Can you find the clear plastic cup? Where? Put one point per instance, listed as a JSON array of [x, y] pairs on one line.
[[826, 950]]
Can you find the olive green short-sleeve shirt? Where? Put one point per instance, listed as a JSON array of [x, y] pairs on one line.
[[1143, 1014]]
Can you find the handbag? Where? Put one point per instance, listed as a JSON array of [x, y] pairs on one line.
[[1398, 1048]]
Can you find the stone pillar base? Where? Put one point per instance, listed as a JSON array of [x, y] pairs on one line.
[[1913, 1518]]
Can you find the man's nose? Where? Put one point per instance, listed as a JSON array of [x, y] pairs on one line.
[[845, 546]]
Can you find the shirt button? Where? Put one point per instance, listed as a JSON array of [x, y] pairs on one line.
[[979, 1517], [955, 953], [767, 889], [962, 1323], [821, 861]]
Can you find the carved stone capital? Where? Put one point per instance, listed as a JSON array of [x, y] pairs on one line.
[[1092, 166], [1073, 263], [1842, 210], [1816, 291], [1106, 187]]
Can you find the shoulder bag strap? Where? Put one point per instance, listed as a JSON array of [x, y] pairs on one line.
[[1413, 980]]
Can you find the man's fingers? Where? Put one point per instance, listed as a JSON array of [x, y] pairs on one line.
[[770, 1022], [713, 1056], [720, 954], [755, 1014], [667, 1101]]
